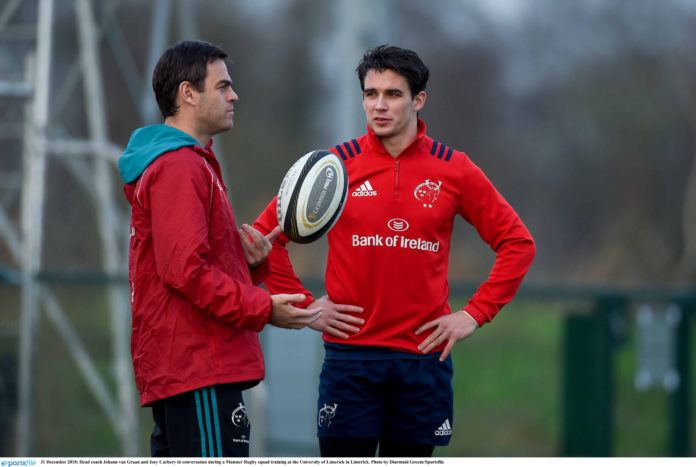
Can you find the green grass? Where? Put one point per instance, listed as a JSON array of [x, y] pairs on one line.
[[508, 391], [68, 421], [508, 386]]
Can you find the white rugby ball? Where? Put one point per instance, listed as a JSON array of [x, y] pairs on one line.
[[311, 196]]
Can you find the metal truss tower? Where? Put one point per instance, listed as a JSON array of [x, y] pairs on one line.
[[90, 161]]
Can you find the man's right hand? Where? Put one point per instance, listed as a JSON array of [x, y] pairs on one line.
[[284, 315], [335, 319]]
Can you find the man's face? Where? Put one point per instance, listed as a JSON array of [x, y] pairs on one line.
[[215, 109], [389, 107]]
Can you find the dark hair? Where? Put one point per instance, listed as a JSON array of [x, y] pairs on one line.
[[184, 61], [405, 62]]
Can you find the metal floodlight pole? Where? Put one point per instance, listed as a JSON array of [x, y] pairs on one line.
[[354, 33], [34, 171], [106, 217], [122, 410], [8, 10], [159, 33]]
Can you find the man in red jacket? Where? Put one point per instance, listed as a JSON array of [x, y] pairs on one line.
[[387, 373], [196, 311]]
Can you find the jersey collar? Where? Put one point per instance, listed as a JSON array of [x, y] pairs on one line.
[[378, 147]]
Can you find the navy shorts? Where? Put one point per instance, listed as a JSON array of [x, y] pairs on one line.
[[403, 397]]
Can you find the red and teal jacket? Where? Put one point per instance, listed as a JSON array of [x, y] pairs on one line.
[[389, 251], [196, 313]]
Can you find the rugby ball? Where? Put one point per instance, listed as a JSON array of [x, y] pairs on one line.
[[311, 196]]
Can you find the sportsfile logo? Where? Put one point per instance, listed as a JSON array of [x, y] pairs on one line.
[[365, 190]]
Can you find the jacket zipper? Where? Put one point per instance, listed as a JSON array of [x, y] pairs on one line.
[[396, 178]]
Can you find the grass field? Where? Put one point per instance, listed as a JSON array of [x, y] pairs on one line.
[[508, 391], [508, 386]]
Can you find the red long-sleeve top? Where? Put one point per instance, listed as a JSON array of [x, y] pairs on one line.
[[389, 251]]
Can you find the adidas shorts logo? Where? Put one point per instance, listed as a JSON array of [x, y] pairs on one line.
[[445, 429]]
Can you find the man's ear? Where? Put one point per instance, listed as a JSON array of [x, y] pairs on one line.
[[187, 93], [419, 101]]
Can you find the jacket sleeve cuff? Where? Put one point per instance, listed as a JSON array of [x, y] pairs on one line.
[[263, 317], [261, 273], [474, 314], [306, 303]]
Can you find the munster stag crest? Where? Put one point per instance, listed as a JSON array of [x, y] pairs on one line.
[[427, 193]]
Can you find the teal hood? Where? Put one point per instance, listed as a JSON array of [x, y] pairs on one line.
[[147, 144]]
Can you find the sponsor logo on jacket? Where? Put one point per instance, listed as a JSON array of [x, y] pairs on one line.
[[396, 241], [398, 225]]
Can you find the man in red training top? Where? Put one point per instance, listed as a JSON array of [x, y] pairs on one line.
[[196, 311], [388, 327]]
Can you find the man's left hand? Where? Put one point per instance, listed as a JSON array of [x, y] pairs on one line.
[[256, 245], [451, 329]]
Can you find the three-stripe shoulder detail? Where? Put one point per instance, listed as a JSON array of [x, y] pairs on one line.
[[348, 150], [441, 151]]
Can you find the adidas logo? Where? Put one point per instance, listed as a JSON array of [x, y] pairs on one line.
[[445, 429], [365, 190]]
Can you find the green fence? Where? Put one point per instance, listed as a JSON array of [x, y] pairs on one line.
[[591, 340], [594, 331]]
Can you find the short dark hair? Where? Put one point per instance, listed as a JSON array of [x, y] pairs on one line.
[[184, 61], [405, 62]]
